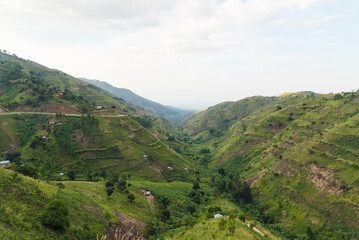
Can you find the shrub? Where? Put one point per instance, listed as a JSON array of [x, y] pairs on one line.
[[131, 197], [55, 215]]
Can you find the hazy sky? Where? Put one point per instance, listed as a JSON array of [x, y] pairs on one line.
[[192, 53]]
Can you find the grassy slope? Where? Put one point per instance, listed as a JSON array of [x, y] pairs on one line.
[[109, 144], [211, 229], [218, 118], [307, 146], [90, 211], [61, 81]]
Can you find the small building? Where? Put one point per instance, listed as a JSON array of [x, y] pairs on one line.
[[61, 174], [52, 123], [186, 169], [145, 156], [218, 215], [145, 192], [98, 107], [4, 163], [170, 168]]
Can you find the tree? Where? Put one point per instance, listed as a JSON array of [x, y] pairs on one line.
[[109, 190], [131, 197], [71, 175], [55, 215], [196, 186], [310, 233]]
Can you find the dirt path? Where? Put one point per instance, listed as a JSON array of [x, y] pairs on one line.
[[151, 202], [256, 229]]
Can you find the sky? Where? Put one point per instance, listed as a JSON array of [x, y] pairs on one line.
[[192, 54]]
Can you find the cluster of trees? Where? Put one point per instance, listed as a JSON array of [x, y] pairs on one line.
[[238, 191], [120, 184], [145, 121], [10, 71]]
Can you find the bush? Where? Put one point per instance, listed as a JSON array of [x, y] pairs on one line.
[[55, 215], [131, 197]]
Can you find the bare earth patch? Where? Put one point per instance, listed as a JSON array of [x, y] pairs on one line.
[[276, 127], [127, 224], [252, 180], [325, 179], [132, 135], [80, 138], [284, 167]]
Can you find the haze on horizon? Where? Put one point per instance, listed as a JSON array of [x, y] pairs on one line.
[[192, 53]]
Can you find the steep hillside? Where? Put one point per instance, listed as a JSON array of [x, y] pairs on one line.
[[85, 145], [89, 211], [143, 103], [28, 86], [300, 156], [212, 122]]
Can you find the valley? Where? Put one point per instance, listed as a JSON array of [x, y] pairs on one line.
[[283, 167]]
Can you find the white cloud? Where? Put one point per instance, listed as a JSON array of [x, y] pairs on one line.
[[164, 49], [323, 19]]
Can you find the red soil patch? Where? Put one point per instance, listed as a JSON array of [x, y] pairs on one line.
[[325, 179]]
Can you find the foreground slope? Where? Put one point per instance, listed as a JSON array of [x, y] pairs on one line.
[[90, 211]]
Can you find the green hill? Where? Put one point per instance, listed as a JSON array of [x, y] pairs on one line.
[[85, 145], [212, 122], [90, 211], [299, 153], [280, 167], [149, 106], [26, 86]]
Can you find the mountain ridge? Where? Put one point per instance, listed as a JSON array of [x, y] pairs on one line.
[[147, 105]]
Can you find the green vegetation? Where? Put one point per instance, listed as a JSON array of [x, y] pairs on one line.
[[149, 106], [279, 167], [299, 154], [26, 86], [55, 215], [88, 147]]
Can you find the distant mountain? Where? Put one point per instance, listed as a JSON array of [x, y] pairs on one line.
[[152, 107]]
